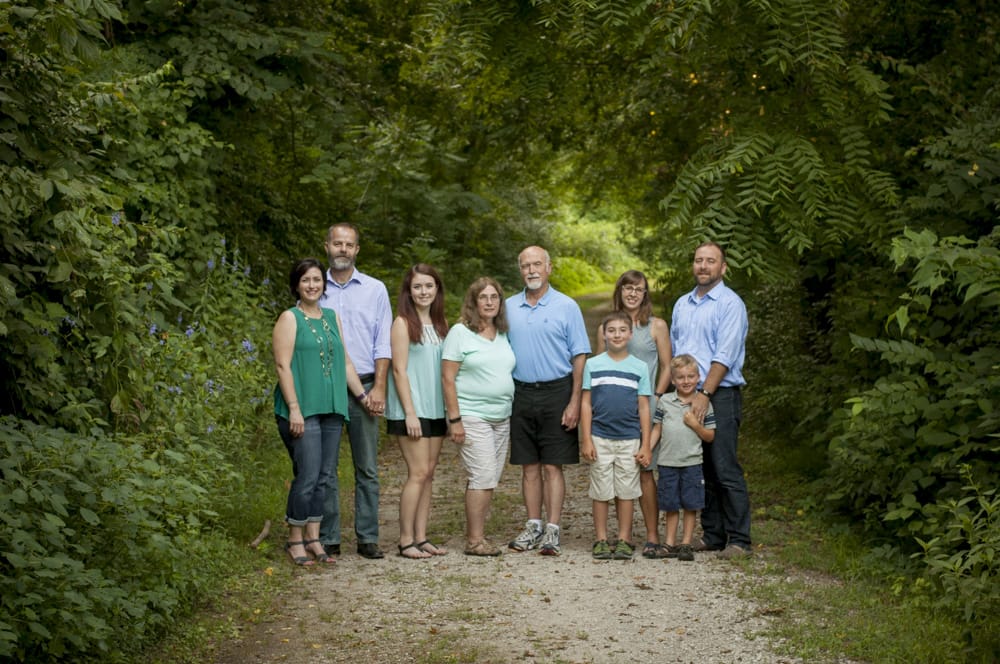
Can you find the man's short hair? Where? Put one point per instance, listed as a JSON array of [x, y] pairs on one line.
[[710, 243]]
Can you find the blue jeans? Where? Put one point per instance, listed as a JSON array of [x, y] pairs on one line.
[[726, 517], [314, 459], [362, 430]]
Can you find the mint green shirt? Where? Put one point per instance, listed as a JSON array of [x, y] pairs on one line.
[[484, 382]]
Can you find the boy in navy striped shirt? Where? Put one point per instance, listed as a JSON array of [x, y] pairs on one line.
[[615, 430]]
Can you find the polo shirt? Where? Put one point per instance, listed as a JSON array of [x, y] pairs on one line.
[[545, 337]]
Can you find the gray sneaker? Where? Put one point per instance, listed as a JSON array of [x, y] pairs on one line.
[[550, 541], [734, 552], [529, 538]]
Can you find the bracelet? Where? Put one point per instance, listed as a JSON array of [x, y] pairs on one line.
[[361, 397], [454, 420]]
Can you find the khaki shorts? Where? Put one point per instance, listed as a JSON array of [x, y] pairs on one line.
[[615, 474], [484, 452]]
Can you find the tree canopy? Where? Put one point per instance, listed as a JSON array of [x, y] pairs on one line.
[[162, 163]]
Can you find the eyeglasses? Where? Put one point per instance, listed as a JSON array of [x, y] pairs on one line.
[[488, 297], [634, 290]]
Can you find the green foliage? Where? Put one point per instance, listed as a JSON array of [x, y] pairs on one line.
[[104, 539], [910, 453], [963, 557]]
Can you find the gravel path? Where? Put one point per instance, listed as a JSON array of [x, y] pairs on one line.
[[515, 608]]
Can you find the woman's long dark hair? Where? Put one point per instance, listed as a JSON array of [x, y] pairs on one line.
[[406, 308]]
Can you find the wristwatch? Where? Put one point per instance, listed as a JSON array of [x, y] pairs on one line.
[[705, 392]]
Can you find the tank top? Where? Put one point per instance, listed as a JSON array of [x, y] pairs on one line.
[[319, 370], [423, 369], [643, 346]]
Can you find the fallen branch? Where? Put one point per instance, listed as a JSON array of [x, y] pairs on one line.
[[263, 533]]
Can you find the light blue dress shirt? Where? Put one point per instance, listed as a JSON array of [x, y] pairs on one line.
[[362, 304], [712, 328]]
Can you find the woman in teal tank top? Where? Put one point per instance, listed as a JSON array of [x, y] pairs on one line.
[[650, 343], [415, 408], [310, 403]]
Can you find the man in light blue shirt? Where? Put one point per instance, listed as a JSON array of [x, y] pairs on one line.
[[362, 305], [711, 324], [550, 346]]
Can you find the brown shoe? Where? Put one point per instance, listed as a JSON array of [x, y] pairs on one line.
[[701, 546], [481, 548], [733, 552]]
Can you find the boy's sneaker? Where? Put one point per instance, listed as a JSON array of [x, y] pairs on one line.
[[601, 550], [529, 538], [624, 550], [685, 552], [550, 541]]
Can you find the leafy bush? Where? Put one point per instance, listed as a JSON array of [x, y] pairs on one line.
[[103, 539], [963, 558], [910, 453]]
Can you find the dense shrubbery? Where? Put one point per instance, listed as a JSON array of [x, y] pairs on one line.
[[104, 538], [911, 453], [112, 535]]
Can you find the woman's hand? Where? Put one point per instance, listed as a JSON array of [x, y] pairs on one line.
[[413, 428], [296, 424], [457, 432]]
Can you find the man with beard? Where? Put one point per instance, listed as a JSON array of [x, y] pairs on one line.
[[362, 305], [710, 323], [550, 346]]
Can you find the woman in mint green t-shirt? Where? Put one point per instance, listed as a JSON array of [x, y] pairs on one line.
[[310, 403], [476, 367]]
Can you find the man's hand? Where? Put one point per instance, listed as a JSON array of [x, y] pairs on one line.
[[699, 406]]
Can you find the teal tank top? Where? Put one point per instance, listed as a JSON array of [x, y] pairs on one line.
[[319, 369], [423, 369]]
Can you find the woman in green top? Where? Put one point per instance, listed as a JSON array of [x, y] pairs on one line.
[[310, 404]]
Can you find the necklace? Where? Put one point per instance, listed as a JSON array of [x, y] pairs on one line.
[[325, 342]]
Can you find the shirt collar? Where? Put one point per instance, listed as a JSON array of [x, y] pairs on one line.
[[714, 294], [542, 301], [355, 278]]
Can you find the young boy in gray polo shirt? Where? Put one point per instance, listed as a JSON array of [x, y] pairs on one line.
[[681, 482]]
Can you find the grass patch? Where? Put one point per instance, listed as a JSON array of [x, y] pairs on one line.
[[833, 594]]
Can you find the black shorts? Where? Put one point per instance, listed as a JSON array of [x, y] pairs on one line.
[[536, 431], [429, 428]]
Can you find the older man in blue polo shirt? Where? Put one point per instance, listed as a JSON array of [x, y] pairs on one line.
[[711, 324], [550, 345], [362, 306]]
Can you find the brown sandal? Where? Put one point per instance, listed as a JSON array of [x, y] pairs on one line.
[[481, 548]]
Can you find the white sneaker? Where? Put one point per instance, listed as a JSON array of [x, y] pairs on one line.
[[529, 538], [550, 541]]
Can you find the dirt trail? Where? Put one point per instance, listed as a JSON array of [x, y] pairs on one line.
[[515, 608]]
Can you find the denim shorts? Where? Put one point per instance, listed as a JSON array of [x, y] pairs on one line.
[[680, 488]]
